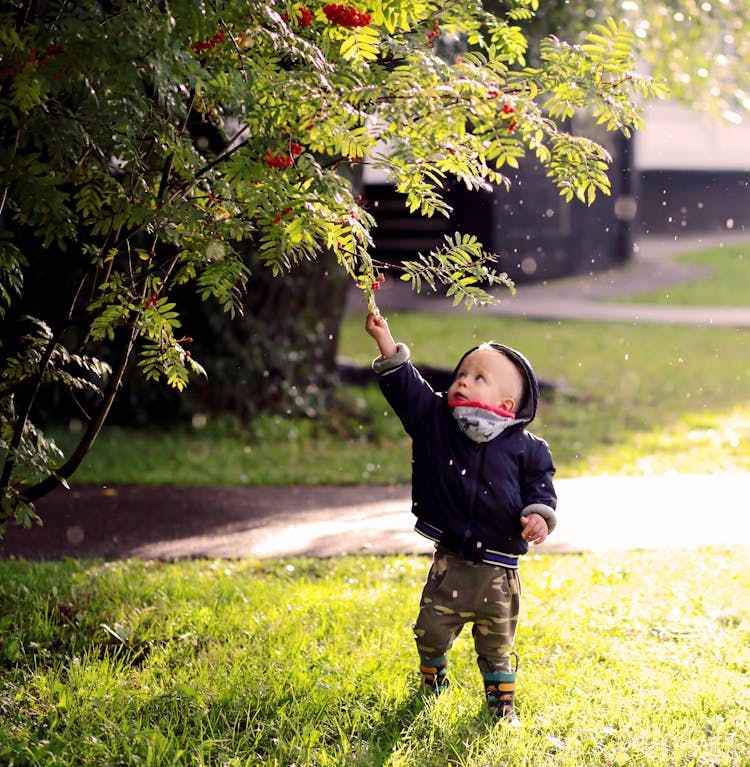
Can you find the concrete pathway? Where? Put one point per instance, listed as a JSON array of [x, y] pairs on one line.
[[602, 513], [599, 513]]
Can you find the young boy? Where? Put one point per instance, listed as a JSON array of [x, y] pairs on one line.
[[482, 490]]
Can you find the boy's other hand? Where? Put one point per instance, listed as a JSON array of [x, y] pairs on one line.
[[534, 528]]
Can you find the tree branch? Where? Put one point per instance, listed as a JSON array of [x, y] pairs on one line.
[[23, 416], [35, 492]]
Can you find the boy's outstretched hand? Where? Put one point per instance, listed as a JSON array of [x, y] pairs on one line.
[[534, 528], [377, 327]]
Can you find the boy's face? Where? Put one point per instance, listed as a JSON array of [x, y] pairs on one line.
[[490, 377]]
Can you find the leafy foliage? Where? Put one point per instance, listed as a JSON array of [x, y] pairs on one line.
[[701, 49], [459, 264], [146, 149]]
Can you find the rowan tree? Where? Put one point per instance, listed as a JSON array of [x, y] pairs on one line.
[[150, 147]]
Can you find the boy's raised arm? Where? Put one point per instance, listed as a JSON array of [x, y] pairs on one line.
[[377, 327]]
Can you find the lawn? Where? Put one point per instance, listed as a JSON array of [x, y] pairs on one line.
[[624, 399], [725, 284], [626, 659]]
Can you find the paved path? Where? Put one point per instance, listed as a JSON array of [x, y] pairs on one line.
[[594, 513], [597, 513]]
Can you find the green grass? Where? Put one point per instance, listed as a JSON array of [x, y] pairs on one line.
[[627, 399], [626, 659], [358, 448]]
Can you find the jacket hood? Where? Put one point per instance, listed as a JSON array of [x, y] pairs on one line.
[[527, 410]]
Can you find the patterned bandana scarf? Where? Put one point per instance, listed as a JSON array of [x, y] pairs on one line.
[[481, 422]]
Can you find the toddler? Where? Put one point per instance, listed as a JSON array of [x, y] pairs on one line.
[[482, 490]]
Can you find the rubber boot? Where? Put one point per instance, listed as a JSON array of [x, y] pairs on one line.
[[500, 690], [434, 674]]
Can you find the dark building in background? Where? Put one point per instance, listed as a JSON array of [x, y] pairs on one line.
[[693, 172], [673, 201]]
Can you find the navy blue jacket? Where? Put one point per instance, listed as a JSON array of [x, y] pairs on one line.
[[468, 495]]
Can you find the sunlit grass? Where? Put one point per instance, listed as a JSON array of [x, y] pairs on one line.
[[693, 445], [637, 658]]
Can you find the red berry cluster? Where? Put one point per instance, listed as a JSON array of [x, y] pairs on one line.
[[281, 215], [202, 46], [345, 15], [304, 17], [381, 280], [277, 160], [434, 33], [492, 91], [187, 340], [153, 300], [508, 110], [283, 160], [34, 57]]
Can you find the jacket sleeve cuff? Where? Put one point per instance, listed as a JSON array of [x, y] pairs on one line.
[[385, 365], [544, 511]]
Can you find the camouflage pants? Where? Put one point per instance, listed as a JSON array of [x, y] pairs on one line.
[[458, 592]]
